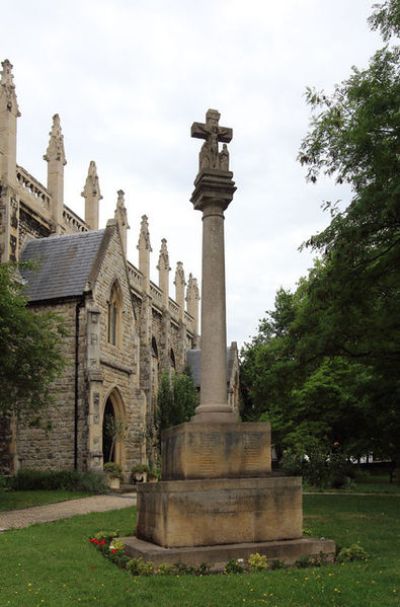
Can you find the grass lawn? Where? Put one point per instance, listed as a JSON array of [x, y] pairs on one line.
[[13, 500], [54, 565]]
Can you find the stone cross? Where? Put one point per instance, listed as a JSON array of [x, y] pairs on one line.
[[210, 157], [213, 192]]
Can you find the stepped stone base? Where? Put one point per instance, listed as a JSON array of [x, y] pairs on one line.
[[217, 556], [220, 511], [216, 450]]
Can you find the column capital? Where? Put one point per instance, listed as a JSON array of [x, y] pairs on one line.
[[213, 187]]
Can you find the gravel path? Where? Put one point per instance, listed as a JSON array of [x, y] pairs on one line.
[[16, 519]]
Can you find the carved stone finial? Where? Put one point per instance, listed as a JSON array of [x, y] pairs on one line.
[[120, 213], [163, 260], [179, 274], [7, 87], [144, 236], [92, 188], [210, 157], [55, 149], [193, 292], [195, 289]]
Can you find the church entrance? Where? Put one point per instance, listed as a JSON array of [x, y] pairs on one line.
[[113, 429]]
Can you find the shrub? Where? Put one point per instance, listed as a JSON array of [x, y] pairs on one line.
[[4, 482], [66, 480], [234, 566], [322, 467], [355, 552], [257, 562], [277, 564], [304, 561], [292, 463], [165, 569], [203, 569], [140, 567]]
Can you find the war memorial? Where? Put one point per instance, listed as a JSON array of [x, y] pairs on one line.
[[218, 498]]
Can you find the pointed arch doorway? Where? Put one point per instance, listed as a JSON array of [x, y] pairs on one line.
[[114, 427]]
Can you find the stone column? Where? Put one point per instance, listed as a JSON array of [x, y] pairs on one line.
[[214, 189]]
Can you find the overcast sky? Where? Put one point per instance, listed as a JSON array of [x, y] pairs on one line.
[[128, 78]]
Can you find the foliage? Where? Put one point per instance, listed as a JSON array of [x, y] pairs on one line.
[[113, 470], [320, 466], [323, 399], [325, 360], [30, 352], [355, 552], [234, 566], [138, 566], [176, 401], [114, 549], [4, 482], [140, 468], [67, 480], [257, 562]]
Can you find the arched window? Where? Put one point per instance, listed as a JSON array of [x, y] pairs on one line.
[[172, 360], [114, 314], [154, 349], [114, 429]]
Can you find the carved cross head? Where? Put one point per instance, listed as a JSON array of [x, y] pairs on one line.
[[210, 157]]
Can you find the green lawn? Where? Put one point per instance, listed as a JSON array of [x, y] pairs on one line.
[[54, 565], [13, 500]]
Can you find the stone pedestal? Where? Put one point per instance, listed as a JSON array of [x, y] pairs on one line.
[[220, 511], [216, 557], [219, 450]]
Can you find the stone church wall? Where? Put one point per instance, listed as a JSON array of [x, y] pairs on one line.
[[120, 363], [46, 441]]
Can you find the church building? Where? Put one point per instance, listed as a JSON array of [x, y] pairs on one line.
[[123, 330]]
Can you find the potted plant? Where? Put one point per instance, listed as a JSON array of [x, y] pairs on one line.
[[114, 474], [154, 474], [139, 473]]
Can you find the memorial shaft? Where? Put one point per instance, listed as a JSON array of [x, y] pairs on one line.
[[214, 189]]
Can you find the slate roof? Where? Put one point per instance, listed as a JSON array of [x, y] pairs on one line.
[[193, 361], [62, 264]]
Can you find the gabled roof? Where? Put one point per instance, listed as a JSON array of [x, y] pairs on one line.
[[62, 264]]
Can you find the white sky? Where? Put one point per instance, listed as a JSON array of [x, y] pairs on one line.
[[128, 78]]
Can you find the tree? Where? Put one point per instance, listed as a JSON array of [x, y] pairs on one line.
[[325, 362], [304, 396], [30, 356], [176, 401], [355, 298]]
